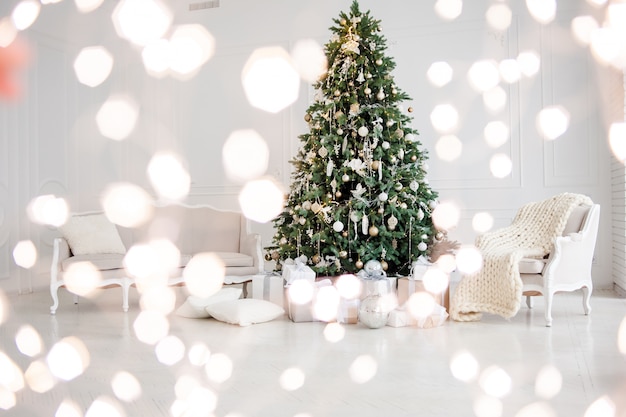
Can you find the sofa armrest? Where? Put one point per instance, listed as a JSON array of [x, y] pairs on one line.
[[251, 245], [60, 252]]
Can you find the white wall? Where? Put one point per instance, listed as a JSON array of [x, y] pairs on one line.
[[49, 142]]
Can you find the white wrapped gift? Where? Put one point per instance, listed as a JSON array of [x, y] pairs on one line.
[[297, 270], [301, 312], [268, 287], [420, 267]]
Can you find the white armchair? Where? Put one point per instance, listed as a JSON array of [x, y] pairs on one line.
[[568, 267]]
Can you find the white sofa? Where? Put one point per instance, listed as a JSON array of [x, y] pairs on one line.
[[193, 229]]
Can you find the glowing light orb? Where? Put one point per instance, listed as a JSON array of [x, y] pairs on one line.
[[25, 13], [602, 407], [446, 216], [495, 382], [126, 386], [543, 11], [363, 369], [104, 406], [219, 368], [117, 117], [204, 274], [484, 75], [464, 366], [309, 59], [482, 222], [93, 65], [86, 6], [326, 303], [469, 259], [141, 21], [82, 278], [292, 379], [168, 176], [440, 73], [435, 280], [4, 307], [68, 358], [155, 297], [496, 134], [48, 210], [444, 118], [301, 292], [198, 354], [262, 200], [495, 100], [334, 332], [420, 304], [8, 33], [270, 81], [487, 406], [449, 9], [190, 47], [11, 376], [605, 44], [499, 16], [38, 377], [348, 286], [25, 254], [552, 122], [245, 155], [549, 382], [529, 63], [582, 27], [127, 204], [156, 58], [141, 261], [449, 148], [170, 350], [29, 341], [621, 336], [509, 70], [500, 165], [151, 326]]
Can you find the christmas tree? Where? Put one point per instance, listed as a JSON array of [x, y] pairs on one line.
[[359, 190]]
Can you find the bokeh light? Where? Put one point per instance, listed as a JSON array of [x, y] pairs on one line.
[[536, 409], [500, 165], [469, 259], [156, 58], [420, 304], [127, 204], [444, 118], [38, 377], [499, 16], [4, 307], [11, 377], [495, 381], [151, 326], [301, 292], [495, 99], [487, 406], [25, 254], [348, 286], [170, 350], [605, 44], [510, 70], [159, 298], [326, 303], [245, 155], [309, 59], [104, 406], [529, 63], [168, 176], [193, 399], [482, 222], [602, 407], [270, 81], [68, 408], [449, 9], [219, 368], [464, 366], [93, 65], [8, 33], [262, 200], [553, 121], [621, 336], [117, 117], [446, 263], [204, 274], [28, 340], [25, 13], [549, 382], [334, 332], [496, 134], [141, 261], [82, 278], [87, 6], [48, 210], [8, 399], [446, 216], [484, 75], [435, 280], [440, 73], [190, 47], [363, 369], [543, 11], [126, 386], [582, 28], [199, 354], [141, 21], [449, 148], [68, 358], [292, 379]]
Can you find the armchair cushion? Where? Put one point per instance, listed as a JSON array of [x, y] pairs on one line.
[[531, 266], [102, 261], [235, 259], [93, 233]]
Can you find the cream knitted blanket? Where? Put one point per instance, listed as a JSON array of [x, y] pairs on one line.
[[497, 287]]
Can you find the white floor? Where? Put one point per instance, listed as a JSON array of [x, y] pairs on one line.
[[413, 375]]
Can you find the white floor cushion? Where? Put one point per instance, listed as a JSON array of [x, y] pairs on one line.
[[245, 312], [195, 307]]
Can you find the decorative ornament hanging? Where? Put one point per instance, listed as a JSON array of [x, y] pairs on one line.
[[307, 117], [384, 265], [373, 231], [316, 207], [399, 133], [413, 158], [414, 185], [432, 203], [383, 196], [410, 137], [323, 152], [394, 244], [392, 222], [367, 91], [363, 131], [422, 246], [398, 186], [338, 226], [375, 165], [345, 178], [316, 259], [330, 167], [381, 95], [306, 205], [340, 131], [385, 145], [283, 240], [302, 221], [360, 78], [379, 62], [358, 264], [410, 109], [420, 215], [343, 254], [365, 224]]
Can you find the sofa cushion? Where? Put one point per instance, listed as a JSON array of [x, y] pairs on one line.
[[102, 261], [92, 233], [195, 307], [575, 220], [531, 266], [231, 259]]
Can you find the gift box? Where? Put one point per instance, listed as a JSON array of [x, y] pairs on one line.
[[298, 270], [270, 288], [408, 286], [305, 312], [401, 317], [348, 312], [381, 286]]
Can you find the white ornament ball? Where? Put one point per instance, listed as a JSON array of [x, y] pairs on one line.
[[302, 221], [283, 240], [340, 131], [410, 137], [414, 185], [385, 145], [345, 178], [368, 91], [372, 267], [306, 205], [432, 204], [379, 62], [380, 95], [422, 246], [403, 206], [398, 186], [363, 131], [383, 196], [420, 215], [338, 226]]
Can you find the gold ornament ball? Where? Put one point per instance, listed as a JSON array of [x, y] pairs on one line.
[[275, 255], [403, 206], [268, 257], [307, 117], [329, 195], [410, 109], [375, 165], [315, 259], [337, 93], [344, 234], [359, 264], [338, 194], [379, 62], [353, 134], [343, 254], [373, 231], [279, 267], [385, 265], [381, 210], [413, 158]]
